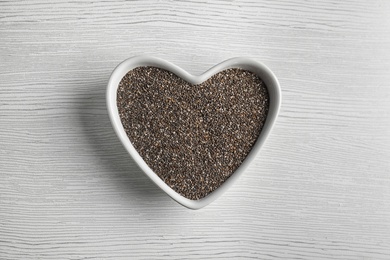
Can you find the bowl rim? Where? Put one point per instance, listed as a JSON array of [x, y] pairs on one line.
[[258, 68]]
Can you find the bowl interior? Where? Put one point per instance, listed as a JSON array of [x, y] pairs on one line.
[[248, 64]]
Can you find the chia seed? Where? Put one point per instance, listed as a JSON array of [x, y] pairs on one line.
[[192, 136]]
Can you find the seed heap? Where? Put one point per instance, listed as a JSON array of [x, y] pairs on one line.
[[192, 136]]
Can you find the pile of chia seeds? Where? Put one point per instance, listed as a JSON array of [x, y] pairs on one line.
[[192, 136]]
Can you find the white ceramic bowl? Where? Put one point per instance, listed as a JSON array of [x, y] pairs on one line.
[[244, 63]]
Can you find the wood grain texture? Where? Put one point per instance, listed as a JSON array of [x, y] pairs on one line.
[[320, 188]]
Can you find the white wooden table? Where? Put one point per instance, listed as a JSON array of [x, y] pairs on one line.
[[320, 188]]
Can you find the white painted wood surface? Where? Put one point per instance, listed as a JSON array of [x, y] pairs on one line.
[[320, 188]]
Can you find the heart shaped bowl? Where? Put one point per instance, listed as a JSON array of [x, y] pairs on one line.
[[244, 63]]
